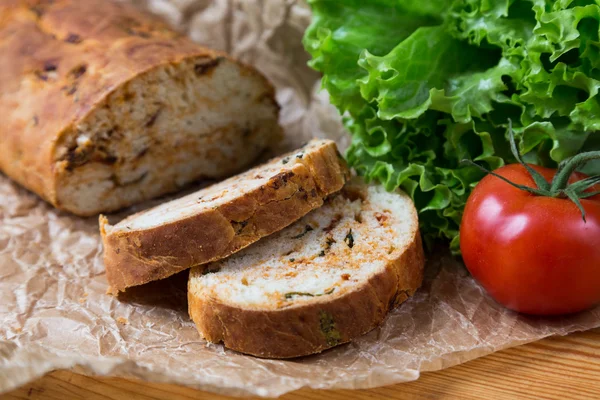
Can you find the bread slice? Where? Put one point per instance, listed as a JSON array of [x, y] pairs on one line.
[[104, 106], [323, 281], [221, 219]]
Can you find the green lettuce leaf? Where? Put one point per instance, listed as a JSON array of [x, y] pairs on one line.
[[339, 34], [402, 82], [423, 85]]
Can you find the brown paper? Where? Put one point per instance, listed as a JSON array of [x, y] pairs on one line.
[[54, 312]]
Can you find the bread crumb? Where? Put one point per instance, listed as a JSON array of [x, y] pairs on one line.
[[122, 320], [382, 218], [345, 276], [244, 281]]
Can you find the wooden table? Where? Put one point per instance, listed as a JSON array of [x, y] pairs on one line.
[[555, 368]]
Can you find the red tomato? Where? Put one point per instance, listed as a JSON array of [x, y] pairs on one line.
[[533, 254]]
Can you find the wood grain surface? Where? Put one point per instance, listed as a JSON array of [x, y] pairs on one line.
[[555, 368]]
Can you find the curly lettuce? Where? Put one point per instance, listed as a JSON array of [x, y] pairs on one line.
[[423, 85]]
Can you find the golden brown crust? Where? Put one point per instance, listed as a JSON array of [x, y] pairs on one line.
[[140, 256], [59, 60], [309, 329]]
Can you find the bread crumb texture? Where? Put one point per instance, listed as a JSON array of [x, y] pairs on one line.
[[323, 281], [219, 220], [326, 254], [104, 105]]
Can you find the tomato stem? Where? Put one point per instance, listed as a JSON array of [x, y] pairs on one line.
[[538, 192], [570, 165], [539, 180], [559, 187]]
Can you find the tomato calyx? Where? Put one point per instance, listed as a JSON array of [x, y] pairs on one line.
[[559, 187]]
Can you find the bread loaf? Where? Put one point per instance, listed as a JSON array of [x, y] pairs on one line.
[[221, 219], [104, 106], [323, 281]]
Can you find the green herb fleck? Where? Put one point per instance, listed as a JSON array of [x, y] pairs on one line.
[[300, 155], [307, 229], [349, 239], [292, 294], [327, 325], [292, 259], [285, 160]]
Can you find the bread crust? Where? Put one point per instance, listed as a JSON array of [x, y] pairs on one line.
[[136, 257], [59, 60], [299, 330]]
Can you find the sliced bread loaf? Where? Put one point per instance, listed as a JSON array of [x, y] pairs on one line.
[[104, 106], [221, 219], [323, 281]]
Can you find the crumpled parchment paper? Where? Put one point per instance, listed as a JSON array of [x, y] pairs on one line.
[[54, 312]]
